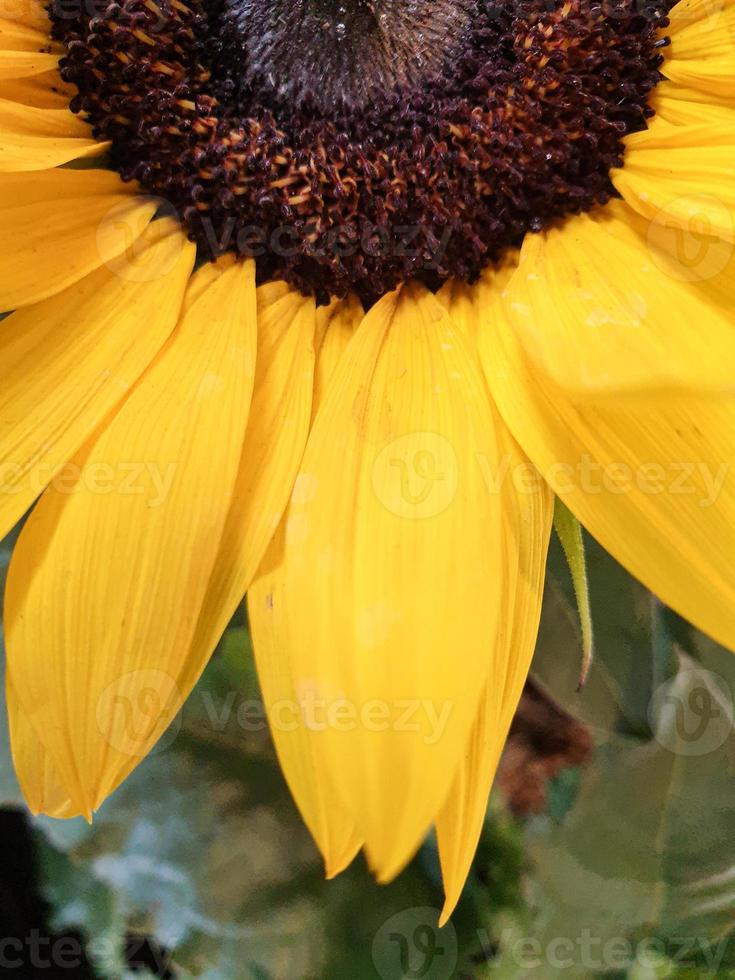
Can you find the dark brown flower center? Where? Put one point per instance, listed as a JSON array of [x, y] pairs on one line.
[[329, 51], [355, 144]]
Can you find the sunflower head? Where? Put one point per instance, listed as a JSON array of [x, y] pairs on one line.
[[378, 482], [354, 146]]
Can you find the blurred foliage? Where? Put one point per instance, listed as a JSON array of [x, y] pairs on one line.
[[628, 875], [645, 858]]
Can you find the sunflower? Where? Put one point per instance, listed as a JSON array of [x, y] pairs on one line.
[[324, 303]]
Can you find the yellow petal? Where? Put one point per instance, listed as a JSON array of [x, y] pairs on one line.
[[687, 17], [16, 36], [526, 532], [649, 475], [45, 91], [37, 139], [714, 76], [687, 12], [682, 172], [681, 106], [273, 446], [459, 301], [702, 52], [57, 227], [68, 361], [692, 256], [269, 292], [38, 780], [27, 13], [207, 274], [21, 64], [335, 328], [527, 516], [61, 184], [273, 628], [392, 543], [107, 579], [598, 310]]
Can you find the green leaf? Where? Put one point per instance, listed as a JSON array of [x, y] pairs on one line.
[[569, 531], [621, 680]]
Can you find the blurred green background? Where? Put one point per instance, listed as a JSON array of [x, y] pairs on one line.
[[608, 850]]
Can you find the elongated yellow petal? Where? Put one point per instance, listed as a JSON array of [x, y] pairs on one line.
[[526, 532], [37, 139], [16, 36], [527, 515], [27, 13], [687, 12], [391, 545], [61, 185], [459, 301], [715, 76], [691, 256], [649, 475], [107, 578], [271, 452], [36, 774], [682, 106], [598, 311], [22, 64], [274, 631], [336, 326], [57, 227], [44, 91], [688, 18], [68, 361], [683, 173], [269, 292], [207, 274], [702, 52]]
